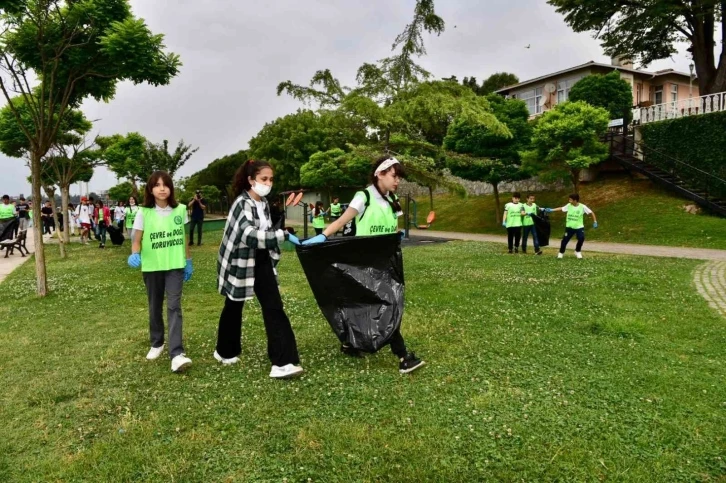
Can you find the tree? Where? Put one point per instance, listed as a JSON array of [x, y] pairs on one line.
[[289, 141], [158, 157], [497, 81], [566, 140], [608, 91], [487, 155], [334, 169], [648, 30], [219, 173], [126, 157], [121, 192], [57, 53]]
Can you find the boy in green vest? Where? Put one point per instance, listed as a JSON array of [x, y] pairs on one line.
[[575, 224], [7, 210], [512, 221], [530, 210]]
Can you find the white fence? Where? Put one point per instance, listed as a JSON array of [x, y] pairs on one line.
[[683, 108]]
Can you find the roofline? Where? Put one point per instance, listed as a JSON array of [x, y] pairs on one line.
[[592, 63]]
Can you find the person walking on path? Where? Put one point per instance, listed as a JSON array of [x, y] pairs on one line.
[[119, 214], [46, 214], [575, 224], [376, 212], [246, 266], [130, 216], [159, 249], [23, 214], [72, 220], [530, 210], [103, 220], [197, 205], [84, 217], [512, 221]]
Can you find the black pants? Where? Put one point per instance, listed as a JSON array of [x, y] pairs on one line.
[[319, 231], [198, 224], [569, 233], [514, 235], [281, 344], [398, 346], [47, 226]]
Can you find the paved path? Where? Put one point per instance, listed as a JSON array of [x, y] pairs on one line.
[[619, 248], [710, 280], [7, 265]]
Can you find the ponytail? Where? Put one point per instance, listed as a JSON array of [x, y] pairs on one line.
[[249, 169], [399, 171]]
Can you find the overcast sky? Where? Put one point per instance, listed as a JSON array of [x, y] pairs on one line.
[[236, 52]]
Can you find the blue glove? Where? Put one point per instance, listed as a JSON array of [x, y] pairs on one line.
[[188, 270], [594, 225], [316, 239], [134, 260], [293, 239], [548, 210], [504, 224]]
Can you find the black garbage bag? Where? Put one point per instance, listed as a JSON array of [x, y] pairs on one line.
[[116, 235], [543, 228], [7, 229], [359, 286]]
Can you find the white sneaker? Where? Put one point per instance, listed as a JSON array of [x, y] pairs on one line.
[[155, 352], [180, 363], [560, 255], [233, 360], [578, 254], [285, 371]]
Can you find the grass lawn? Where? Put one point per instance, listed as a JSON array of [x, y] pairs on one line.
[[538, 370], [628, 211]]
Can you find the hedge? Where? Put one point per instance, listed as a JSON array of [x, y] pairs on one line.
[[697, 140]]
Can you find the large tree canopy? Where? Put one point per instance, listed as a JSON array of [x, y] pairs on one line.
[[648, 30], [607, 91]]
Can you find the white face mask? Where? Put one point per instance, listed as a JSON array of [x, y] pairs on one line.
[[262, 190]]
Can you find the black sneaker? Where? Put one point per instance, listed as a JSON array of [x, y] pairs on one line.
[[350, 351], [191, 244], [539, 252], [410, 363], [524, 252], [516, 250], [510, 252]]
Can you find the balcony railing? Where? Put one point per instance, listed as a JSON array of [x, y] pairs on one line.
[[683, 108]]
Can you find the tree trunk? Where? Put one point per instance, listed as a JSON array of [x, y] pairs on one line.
[[50, 192], [65, 198], [431, 197], [41, 283], [575, 178], [497, 203]]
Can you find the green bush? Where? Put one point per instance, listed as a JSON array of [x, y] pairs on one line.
[[698, 140]]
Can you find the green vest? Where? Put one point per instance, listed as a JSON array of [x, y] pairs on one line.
[[6, 211], [514, 215], [319, 221], [529, 210], [163, 243], [335, 209], [376, 219], [575, 215], [130, 216]]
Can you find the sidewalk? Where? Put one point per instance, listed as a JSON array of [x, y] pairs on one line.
[[7, 265], [619, 248]]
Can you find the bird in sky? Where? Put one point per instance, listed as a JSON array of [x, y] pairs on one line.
[[528, 46]]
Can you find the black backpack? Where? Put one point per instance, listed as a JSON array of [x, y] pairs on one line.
[[350, 228]]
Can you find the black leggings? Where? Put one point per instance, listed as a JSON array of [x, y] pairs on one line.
[[569, 233], [514, 235], [281, 344]]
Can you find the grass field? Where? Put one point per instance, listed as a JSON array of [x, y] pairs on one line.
[[607, 368], [628, 211]]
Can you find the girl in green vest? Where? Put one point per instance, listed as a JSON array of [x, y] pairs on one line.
[[335, 209], [530, 210], [512, 221], [160, 250], [575, 224], [130, 212], [378, 216], [246, 266], [318, 218]]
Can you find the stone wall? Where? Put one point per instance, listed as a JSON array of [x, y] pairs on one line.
[[477, 188]]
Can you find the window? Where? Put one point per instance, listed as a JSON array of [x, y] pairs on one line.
[[638, 93], [674, 92], [564, 86], [658, 95], [533, 99]]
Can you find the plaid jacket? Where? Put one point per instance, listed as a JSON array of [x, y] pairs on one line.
[[242, 238]]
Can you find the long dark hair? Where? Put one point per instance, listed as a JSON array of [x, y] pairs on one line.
[[248, 170], [149, 200], [398, 171], [136, 202], [318, 208]]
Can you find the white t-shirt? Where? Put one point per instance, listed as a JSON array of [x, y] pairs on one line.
[[139, 220], [265, 223], [588, 211], [84, 214], [119, 213], [359, 202]]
